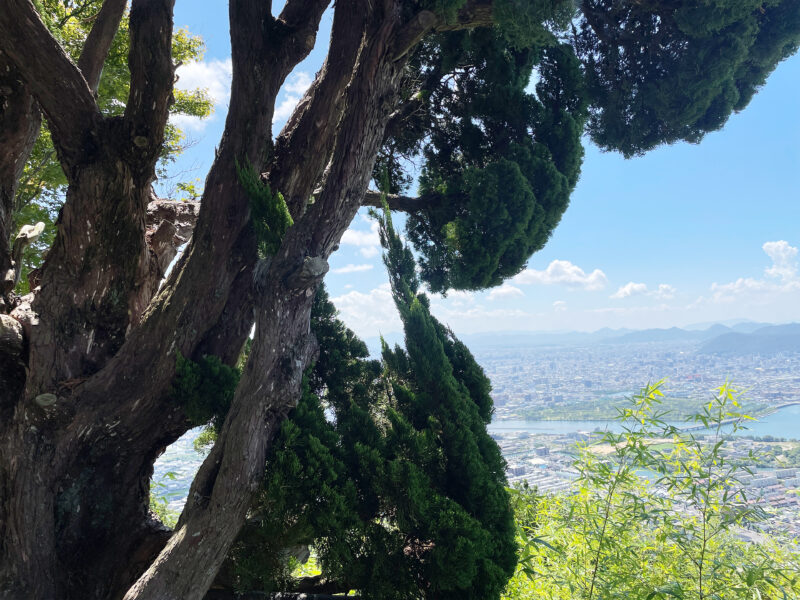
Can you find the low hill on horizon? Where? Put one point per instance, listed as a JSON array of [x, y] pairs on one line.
[[772, 339]]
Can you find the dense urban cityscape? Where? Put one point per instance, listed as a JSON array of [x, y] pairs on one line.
[[550, 399], [548, 382]]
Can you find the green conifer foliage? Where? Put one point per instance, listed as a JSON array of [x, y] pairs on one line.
[[440, 419], [204, 388], [496, 191], [269, 214], [497, 115], [398, 487], [666, 71]]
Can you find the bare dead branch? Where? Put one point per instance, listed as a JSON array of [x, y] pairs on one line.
[[26, 236], [169, 225], [11, 337]]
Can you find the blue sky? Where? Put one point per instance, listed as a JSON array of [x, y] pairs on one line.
[[685, 234]]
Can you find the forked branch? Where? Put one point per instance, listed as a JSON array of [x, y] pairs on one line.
[[55, 81]]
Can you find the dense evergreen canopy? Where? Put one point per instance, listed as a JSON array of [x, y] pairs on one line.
[[498, 115]]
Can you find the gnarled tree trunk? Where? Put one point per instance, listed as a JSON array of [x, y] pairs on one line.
[[88, 361]]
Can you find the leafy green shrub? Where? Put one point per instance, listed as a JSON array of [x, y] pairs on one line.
[[652, 520]]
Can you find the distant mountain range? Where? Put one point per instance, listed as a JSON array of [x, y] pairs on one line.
[[765, 340], [738, 337]]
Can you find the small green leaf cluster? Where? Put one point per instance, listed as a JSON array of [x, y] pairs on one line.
[[204, 389], [159, 500], [269, 214]]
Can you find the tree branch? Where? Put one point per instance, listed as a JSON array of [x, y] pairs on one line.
[[52, 77], [20, 120], [152, 74], [299, 14], [318, 584], [98, 42], [303, 147], [408, 37], [397, 202]]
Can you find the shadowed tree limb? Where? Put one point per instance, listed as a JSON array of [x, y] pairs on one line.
[[20, 119], [98, 42], [399, 202], [54, 80], [309, 134], [152, 76]]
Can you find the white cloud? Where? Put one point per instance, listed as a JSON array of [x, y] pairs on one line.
[[566, 273], [367, 242], [664, 291], [783, 269], [371, 313], [559, 306], [630, 289], [293, 90], [351, 268], [728, 292], [214, 76], [784, 260], [505, 291]]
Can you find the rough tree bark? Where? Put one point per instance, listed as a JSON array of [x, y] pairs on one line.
[[20, 120], [91, 356]]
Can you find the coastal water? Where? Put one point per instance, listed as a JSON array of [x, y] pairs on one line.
[[182, 460], [784, 423]]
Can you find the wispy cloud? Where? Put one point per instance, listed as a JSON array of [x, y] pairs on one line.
[[663, 292], [505, 291], [367, 242], [351, 268], [781, 277], [784, 260], [369, 313], [563, 272]]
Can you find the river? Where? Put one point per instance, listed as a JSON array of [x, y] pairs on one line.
[[784, 422]]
